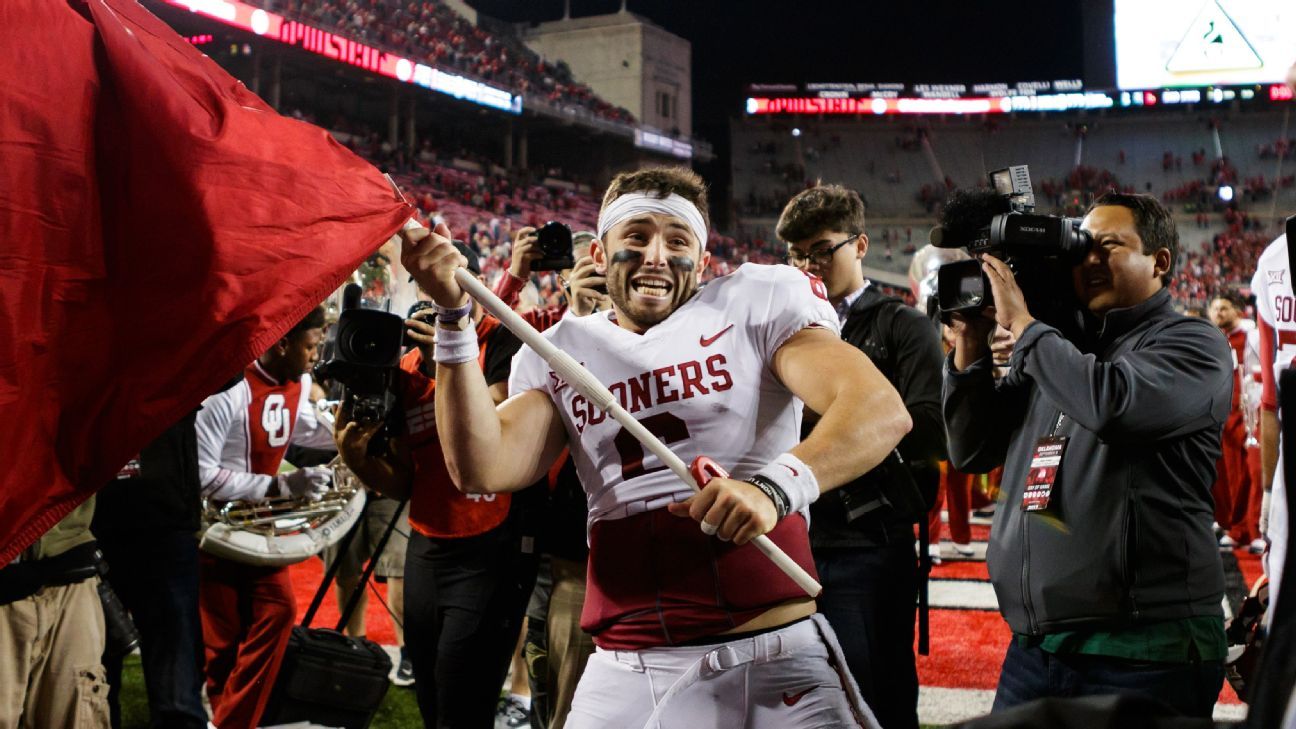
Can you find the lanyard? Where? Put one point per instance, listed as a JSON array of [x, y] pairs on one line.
[[1057, 425]]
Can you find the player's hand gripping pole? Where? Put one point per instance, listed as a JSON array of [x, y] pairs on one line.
[[583, 382]]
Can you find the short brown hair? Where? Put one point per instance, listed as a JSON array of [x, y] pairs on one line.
[[661, 181], [1154, 224], [827, 207]]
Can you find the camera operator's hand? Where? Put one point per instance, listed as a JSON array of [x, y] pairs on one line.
[[432, 259], [971, 336], [421, 329], [585, 288], [1010, 302], [352, 440], [311, 482], [524, 252]]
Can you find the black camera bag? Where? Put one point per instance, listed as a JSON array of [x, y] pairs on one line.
[[328, 677]]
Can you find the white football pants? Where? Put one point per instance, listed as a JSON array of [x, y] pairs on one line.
[[791, 678]]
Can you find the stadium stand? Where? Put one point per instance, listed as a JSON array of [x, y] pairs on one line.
[[435, 32], [905, 170]]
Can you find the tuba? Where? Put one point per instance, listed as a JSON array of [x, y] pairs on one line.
[[283, 530]]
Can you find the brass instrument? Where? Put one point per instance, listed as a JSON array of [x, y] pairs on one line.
[[283, 530]]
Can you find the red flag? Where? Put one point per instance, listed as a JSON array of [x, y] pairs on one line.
[[160, 227]]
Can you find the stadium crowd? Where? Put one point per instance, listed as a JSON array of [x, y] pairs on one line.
[[429, 31]]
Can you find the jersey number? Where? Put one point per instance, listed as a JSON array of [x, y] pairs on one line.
[[667, 427], [274, 420]]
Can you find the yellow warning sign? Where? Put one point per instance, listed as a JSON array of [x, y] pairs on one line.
[[1213, 42]]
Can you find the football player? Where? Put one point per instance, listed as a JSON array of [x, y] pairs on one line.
[[721, 372]]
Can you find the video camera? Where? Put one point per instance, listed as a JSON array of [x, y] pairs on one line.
[[1040, 249], [366, 349]]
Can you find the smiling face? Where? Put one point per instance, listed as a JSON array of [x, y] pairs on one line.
[[1117, 273], [652, 263]]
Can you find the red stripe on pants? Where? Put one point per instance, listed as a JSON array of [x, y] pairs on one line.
[[247, 616], [1232, 477], [955, 487]]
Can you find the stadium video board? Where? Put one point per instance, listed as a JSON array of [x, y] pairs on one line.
[[1203, 43], [344, 50]]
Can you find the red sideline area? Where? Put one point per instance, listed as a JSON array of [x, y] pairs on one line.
[[967, 646], [306, 578]]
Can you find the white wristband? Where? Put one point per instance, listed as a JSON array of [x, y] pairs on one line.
[[455, 346], [795, 478]]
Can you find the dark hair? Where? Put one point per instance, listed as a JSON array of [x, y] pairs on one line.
[[663, 181], [1152, 221], [1230, 297], [828, 207], [313, 320]]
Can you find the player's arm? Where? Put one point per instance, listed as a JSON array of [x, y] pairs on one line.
[[862, 417], [489, 449], [486, 450]]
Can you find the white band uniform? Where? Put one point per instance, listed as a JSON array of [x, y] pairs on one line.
[[636, 203]]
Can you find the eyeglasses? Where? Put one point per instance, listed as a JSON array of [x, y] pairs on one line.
[[821, 257]]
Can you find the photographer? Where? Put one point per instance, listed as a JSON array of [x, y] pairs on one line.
[[470, 564], [1102, 555], [556, 648], [584, 290]]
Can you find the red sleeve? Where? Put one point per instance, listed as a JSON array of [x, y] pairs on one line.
[[508, 287], [1268, 352], [544, 318]]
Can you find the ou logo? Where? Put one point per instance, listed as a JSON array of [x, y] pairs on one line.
[[274, 420]]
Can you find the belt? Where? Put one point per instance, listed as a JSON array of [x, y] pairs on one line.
[[620, 511], [21, 580]]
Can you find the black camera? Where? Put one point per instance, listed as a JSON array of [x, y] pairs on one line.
[[1040, 249], [367, 347], [555, 242]]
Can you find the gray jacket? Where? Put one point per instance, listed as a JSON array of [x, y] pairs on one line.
[[1143, 409]]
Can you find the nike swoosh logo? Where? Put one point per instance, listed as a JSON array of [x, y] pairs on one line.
[[708, 341], [794, 698], [793, 470]]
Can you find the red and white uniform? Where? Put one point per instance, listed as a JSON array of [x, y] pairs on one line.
[[1276, 310], [244, 431], [248, 611], [702, 381]]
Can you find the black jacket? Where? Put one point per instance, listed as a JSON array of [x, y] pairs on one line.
[[158, 490], [905, 346], [1144, 403]]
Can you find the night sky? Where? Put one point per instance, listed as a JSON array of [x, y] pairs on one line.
[[915, 41]]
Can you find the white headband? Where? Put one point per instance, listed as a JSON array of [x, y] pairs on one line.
[[636, 203]]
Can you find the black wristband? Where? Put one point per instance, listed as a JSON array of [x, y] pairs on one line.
[[774, 492]]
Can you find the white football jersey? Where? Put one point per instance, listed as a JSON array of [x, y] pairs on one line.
[[701, 381], [1276, 306]]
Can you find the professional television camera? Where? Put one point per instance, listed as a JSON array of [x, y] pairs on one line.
[[1040, 249], [366, 350]]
